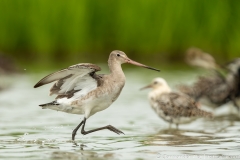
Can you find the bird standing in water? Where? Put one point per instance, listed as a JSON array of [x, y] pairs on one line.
[[171, 106], [219, 88], [80, 90]]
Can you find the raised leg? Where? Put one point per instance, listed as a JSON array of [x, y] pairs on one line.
[[109, 127], [75, 130]]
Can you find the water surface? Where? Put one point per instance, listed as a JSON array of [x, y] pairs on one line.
[[29, 132]]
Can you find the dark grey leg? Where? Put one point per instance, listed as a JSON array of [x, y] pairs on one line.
[[170, 124], [109, 127], [177, 126], [75, 131], [235, 104]]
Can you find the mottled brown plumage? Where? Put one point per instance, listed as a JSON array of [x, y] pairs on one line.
[[171, 106], [219, 87], [179, 105], [214, 89]]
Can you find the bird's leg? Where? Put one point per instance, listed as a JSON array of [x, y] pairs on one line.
[[75, 130], [235, 104], [177, 126], [169, 127], [109, 127]]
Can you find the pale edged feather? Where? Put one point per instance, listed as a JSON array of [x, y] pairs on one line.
[[80, 78], [180, 105]]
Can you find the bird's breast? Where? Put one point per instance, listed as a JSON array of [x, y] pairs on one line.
[[113, 89]]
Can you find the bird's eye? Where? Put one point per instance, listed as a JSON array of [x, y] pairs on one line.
[[118, 55], [155, 83]]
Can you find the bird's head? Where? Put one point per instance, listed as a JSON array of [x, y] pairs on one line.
[[120, 57], [158, 84], [196, 57]]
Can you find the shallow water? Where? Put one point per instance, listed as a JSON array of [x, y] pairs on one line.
[[29, 132]]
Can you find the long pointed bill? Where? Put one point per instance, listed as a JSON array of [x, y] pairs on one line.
[[140, 65], [148, 86]]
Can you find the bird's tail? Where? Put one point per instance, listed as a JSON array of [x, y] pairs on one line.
[[53, 103], [205, 114]]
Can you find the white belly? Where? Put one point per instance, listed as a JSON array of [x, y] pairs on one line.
[[91, 105], [87, 106]]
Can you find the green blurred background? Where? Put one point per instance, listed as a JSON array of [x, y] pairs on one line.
[[47, 33]]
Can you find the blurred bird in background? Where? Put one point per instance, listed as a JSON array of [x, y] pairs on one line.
[[218, 88], [173, 107]]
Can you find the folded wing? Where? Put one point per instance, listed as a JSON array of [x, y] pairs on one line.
[[176, 104]]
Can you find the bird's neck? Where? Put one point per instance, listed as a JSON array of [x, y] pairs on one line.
[[116, 70], [158, 91]]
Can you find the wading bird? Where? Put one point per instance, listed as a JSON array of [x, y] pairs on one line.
[[173, 107], [196, 57], [219, 88], [80, 90]]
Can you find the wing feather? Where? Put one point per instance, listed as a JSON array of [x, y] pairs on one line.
[[79, 78], [176, 104], [52, 77]]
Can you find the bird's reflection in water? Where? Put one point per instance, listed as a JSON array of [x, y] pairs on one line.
[[232, 117], [80, 153], [176, 137]]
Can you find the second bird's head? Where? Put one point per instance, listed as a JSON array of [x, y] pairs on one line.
[[158, 84]]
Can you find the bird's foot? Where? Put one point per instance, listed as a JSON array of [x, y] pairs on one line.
[[75, 143], [113, 129]]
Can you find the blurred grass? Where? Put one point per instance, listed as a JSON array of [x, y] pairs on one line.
[[156, 31]]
